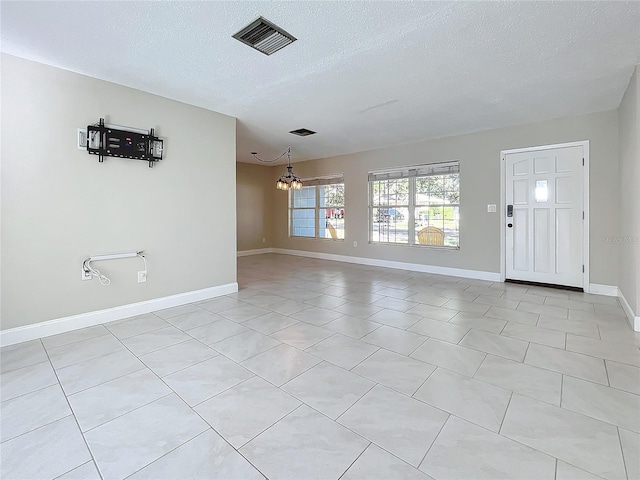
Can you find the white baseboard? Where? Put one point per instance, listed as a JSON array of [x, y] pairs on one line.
[[608, 290], [89, 319], [632, 318], [414, 267], [257, 251]]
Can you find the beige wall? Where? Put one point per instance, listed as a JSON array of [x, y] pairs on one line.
[[479, 156], [254, 209], [59, 205], [629, 232]]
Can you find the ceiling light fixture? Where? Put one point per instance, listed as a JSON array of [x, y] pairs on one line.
[[289, 180]]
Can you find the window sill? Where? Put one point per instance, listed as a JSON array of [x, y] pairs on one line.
[[435, 247], [318, 238]]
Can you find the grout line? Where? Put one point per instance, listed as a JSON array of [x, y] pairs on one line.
[[598, 330], [157, 349], [275, 422], [34, 391], [375, 384], [356, 459], [606, 371], [106, 332], [38, 428], [168, 324], [624, 461], [505, 413], [217, 354], [526, 351], [130, 411], [79, 466], [424, 381], [433, 442], [164, 455], [413, 351], [84, 389], [73, 414], [193, 407], [363, 360], [478, 367]]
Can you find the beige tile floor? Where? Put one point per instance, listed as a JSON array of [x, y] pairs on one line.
[[328, 370]]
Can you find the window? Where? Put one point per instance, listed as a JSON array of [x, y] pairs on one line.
[[417, 205], [317, 209]]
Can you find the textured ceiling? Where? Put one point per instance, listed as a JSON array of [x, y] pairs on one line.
[[362, 74]]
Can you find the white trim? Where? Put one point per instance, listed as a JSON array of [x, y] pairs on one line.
[[546, 147], [607, 290], [414, 267], [634, 320], [257, 251], [503, 218], [585, 222], [585, 202], [89, 319]]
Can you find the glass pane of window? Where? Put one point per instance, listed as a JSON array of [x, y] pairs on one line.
[[390, 192], [429, 190], [438, 225], [390, 225], [437, 210], [542, 191], [452, 189], [331, 195], [331, 223], [305, 197], [303, 222], [451, 226]]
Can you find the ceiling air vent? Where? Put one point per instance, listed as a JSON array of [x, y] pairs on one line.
[[264, 36], [302, 132]]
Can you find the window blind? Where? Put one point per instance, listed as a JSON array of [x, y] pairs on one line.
[[443, 168], [328, 180]]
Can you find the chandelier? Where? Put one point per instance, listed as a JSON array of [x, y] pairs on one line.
[[289, 180]]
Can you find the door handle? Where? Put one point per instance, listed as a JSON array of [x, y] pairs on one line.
[[509, 210]]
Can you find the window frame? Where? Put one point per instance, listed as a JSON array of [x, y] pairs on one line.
[[317, 208], [411, 173]]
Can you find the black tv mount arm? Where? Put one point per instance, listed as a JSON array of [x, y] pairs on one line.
[[108, 141]]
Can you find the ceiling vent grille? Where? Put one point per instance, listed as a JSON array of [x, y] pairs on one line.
[[264, 36], [303, 132]]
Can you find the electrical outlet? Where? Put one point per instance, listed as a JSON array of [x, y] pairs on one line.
[[142, 276], [264, 240], [86, 275], [355, 244], [82, 139]]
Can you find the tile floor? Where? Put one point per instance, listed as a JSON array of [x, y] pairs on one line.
[[329, 370]]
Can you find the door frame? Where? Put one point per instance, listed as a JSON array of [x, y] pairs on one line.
[[585, 202]]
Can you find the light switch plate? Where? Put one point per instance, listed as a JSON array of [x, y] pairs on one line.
[[491, 208]]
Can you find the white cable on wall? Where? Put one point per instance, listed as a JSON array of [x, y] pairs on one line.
[[86, 265], [104, 280]]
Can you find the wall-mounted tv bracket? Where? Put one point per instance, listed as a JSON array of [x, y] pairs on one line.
[[112, 141]]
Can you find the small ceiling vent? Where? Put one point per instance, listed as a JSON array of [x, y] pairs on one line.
[[303, 132], [264, 36]]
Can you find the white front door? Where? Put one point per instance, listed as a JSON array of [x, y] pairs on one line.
[[544, 216]]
